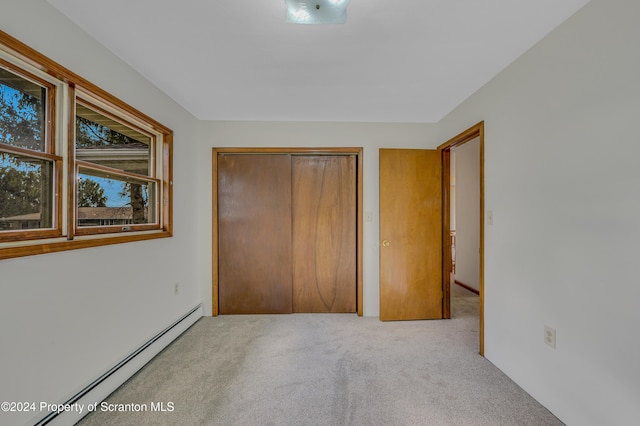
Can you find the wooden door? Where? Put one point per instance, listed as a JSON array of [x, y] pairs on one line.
[[324, 233], [410, 234], [254, 218]]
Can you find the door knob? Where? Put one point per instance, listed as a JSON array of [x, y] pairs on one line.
[[385, 243]]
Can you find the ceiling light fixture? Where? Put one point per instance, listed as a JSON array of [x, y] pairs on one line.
[[317, 11]]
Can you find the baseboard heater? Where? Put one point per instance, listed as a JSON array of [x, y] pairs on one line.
[[104, 385]]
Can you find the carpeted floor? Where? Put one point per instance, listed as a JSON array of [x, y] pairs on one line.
[[330, 369]]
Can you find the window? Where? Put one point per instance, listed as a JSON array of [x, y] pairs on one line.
[[78, 167], [29, 166], [116, 172]]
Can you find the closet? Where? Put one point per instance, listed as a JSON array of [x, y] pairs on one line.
[[286, 232]]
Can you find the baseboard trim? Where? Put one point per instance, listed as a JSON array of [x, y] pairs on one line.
[[103, 386], [468, 287]]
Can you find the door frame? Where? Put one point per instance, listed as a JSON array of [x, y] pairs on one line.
[[476, 131], [357, 151]]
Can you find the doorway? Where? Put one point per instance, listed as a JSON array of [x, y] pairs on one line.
[[465, 216], [472, 134]]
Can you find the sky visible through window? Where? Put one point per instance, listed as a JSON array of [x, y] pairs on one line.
[[21, 117], [112, 190]]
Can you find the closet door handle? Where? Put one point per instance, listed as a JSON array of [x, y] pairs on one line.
[[385, 243]]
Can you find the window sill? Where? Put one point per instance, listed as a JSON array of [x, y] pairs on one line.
[[40, 247]]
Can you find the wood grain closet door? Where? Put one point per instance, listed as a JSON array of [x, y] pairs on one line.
[[324, 233], [254, 219]]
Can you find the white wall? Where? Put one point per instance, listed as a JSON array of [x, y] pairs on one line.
[[467, 211], [562, 178], [370, 136], [65, 318]]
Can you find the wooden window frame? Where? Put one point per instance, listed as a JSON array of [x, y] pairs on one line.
[[113, 112], [110, 229], [48, 153], [65, 235]]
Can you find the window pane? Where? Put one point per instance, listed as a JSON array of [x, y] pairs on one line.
[[22, 109], [105, 200], [101, 140], [26, 195]]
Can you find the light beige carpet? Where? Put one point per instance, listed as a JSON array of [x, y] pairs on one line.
[[329, 369]]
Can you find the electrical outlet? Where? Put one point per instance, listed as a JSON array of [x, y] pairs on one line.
[[550, 336], [176, 288]]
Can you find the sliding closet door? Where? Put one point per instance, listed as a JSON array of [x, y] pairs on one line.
[[324, 233], [254, 218]]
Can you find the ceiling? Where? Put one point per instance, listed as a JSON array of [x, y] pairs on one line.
[[393, 61]]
